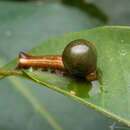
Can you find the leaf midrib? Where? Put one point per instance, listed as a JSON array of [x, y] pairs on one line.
[[87, 103]]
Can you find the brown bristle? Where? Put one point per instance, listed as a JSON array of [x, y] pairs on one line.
[[23, 55]]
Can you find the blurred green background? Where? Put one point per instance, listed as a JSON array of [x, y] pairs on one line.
[[27, 106]]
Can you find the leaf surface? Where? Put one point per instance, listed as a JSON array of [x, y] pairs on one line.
[[24, 104], [110, 94]]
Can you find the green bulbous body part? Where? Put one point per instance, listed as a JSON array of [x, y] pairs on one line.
[[80, 58]]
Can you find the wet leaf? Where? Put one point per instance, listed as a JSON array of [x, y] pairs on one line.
[[110, 94]]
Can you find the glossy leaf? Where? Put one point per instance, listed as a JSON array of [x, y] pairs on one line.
[[110, 94], [27, 105], [24, 104]]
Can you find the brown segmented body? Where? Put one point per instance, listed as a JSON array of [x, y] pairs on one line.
[[46, 61]]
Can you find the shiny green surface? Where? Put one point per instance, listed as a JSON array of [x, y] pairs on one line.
[[25, 105], [79, 57], [75, 86], [109, 95], [113, 45]]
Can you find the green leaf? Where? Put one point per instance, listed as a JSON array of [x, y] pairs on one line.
[[26, 105], [109, 95], [23, 25]]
